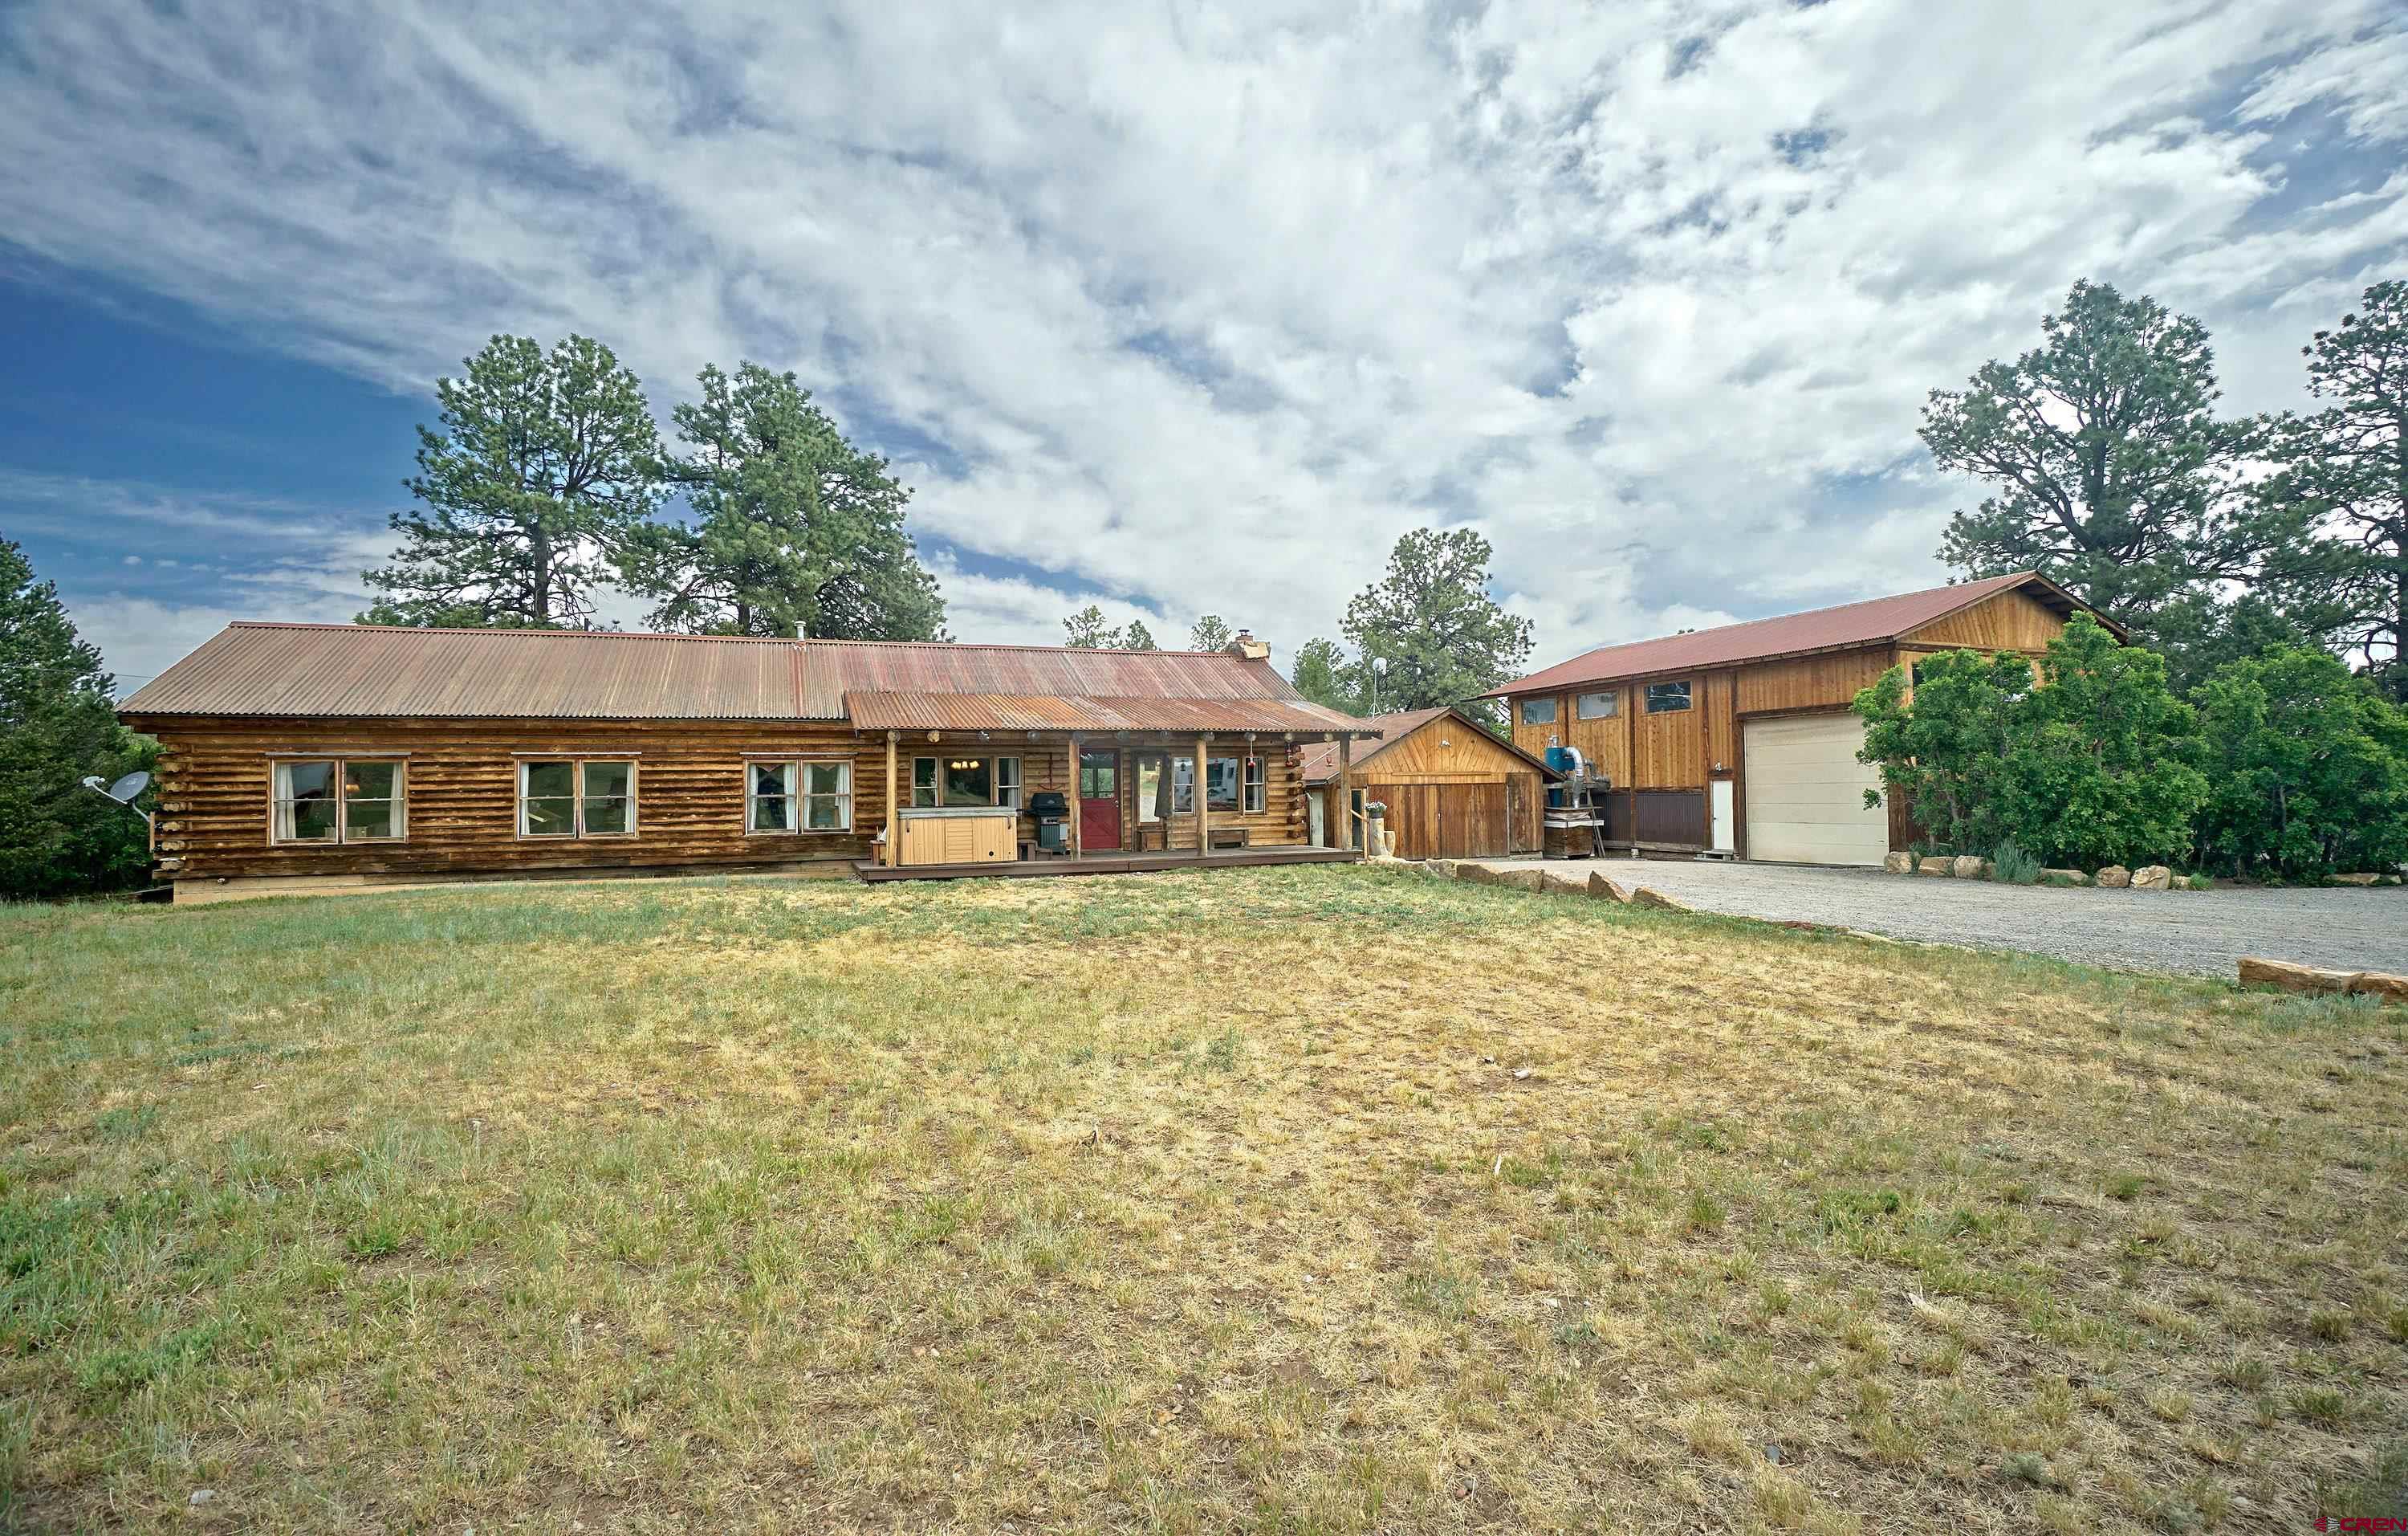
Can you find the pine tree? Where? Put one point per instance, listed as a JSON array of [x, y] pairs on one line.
[[58, 725], [796, 531], [545, 466]]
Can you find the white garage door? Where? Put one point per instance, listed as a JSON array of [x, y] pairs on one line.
[[1806, 791]]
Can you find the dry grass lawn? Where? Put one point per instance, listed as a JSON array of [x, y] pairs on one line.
[[1312, 1200]]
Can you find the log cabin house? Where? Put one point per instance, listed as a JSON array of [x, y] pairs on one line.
[[309, 756], [1450, 787], [1740, 739]]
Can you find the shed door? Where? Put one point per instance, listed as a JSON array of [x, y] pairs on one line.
[[1806, 791], [1445, 821]]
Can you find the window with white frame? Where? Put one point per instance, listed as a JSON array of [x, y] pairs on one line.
[[1221, 784], [338, 800], [1604, 706], [965, 781], [1256, 793], [1538, 711], [801, 796], [577, 798]]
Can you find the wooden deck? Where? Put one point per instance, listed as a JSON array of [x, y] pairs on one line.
[[1108, 864]]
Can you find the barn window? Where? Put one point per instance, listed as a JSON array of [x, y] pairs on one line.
[[577, 798], [800, 796], [338, 800], [965, 781], [1666, 698], [1538, 711], [1604, 706], [1256, 789]]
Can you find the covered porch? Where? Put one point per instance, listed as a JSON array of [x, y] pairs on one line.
[[1106, 863], [1008, 786]]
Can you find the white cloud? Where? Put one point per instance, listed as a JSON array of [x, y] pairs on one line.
[[1202, 305]]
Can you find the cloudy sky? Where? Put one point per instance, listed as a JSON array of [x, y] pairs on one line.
[[1173, 306]]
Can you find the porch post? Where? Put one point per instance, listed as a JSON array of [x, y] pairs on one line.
[[1203, 816], [1077, 803], [894, 820], [1342, 815]]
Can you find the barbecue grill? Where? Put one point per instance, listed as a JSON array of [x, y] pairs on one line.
[[1050, 809]]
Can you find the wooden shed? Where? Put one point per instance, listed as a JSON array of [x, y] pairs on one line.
[[1741, 739], [1451, 788], [309, 756]]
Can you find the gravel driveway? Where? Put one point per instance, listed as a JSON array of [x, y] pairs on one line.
[[2201, 932]]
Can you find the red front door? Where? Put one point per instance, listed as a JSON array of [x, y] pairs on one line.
[[1099, 800]]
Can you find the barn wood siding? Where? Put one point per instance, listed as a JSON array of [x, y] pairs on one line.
[[1667, 750], [2010, 621], [1718, 699], [1829, 682]]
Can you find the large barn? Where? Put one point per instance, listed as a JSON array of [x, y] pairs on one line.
[[1740, 739]]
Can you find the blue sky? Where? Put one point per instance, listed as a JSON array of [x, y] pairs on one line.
[[1194, 308]]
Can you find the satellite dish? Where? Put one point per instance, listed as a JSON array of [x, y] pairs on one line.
[[123, 790]]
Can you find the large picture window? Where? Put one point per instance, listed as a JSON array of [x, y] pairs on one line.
[[799, 796], [338, 800], [577, 798], [1604, 706], [965, 781], [1221, 784], [1538, 711], [1665, 697]]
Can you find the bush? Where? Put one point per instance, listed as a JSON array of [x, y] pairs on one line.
[[2100, 771], [2309, 767], [2092, 766], [2011, 865]]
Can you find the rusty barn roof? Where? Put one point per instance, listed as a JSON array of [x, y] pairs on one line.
[[1868, 623], [371, 671]]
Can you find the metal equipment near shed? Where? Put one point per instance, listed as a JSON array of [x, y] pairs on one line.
[[1575, 816]]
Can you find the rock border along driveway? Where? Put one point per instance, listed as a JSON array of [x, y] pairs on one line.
[[2205, 933]]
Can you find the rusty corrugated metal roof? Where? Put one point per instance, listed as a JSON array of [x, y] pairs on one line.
[[375, 671], [1868, 623], [872, 711], [833, 668], [371, 671]]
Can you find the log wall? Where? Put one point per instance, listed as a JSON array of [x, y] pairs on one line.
[[460, 793]]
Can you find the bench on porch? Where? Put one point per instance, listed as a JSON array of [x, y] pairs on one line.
[[1231, 836]]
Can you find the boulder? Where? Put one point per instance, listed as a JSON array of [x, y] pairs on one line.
[[2152, 877], [1563, 883], [1970, 866], [2367, 879], [1899, 864], [1605, 889], [2296, 978], [2071, 877], [1648, 896], [2115, 877], [2383, 984], [1521, 879], [1476, 872], [1937, 864], [1443, 868]]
